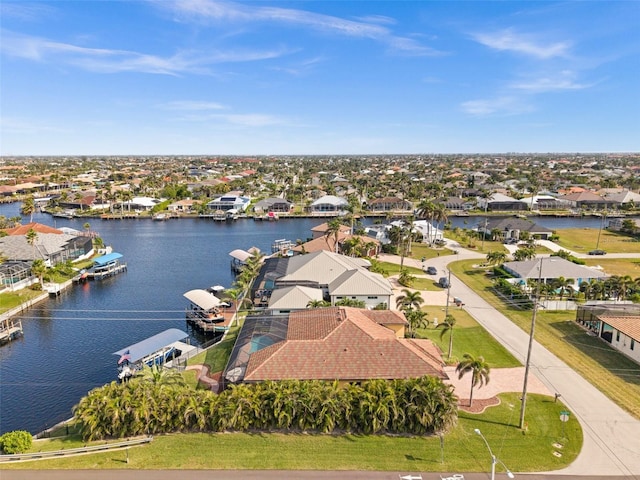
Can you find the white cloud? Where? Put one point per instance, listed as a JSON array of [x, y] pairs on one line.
[[113, 61], [563, 81], [367, 27], [502, 106], [509, 40]]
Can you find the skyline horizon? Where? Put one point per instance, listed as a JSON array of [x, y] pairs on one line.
[[318, 78]]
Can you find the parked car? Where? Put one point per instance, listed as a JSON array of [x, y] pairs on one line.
[[444, 282], [431, 270], [597, 252]]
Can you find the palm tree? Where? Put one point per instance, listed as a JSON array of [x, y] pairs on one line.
[[563, 286], [478, 368], [409, 300], [318, 304], [333, 230], [447, 326], [417, 319], [38, 268], [405, 278], [496, 257], [28, 207], [32, 238], [524, 253]]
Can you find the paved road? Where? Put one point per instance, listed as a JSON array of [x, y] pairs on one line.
[[611, 436]]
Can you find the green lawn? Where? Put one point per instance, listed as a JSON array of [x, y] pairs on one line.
[[582, 240], [468, 337], [11, 300], [607, 369], [616, 266], [463, 449]]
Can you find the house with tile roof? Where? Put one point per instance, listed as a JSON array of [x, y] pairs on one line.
[[337, 343], [617, 324]]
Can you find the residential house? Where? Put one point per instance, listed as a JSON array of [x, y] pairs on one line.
[[512, 227], [51, 245], [229, 202], [389, 204], [548, 269], [617, 324], [344, 344], [500, 202], [273, 204], [329, 204], [182, 206], [588, 201]]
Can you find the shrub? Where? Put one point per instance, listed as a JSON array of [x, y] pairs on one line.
[[18, 441]]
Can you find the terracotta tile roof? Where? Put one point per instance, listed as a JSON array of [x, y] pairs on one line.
[[629, 325], [347, 345], [386, 317], [38, 227]]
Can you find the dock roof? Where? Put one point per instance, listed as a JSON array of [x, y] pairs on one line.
[[104, 259], [150, 345], [202, 298]]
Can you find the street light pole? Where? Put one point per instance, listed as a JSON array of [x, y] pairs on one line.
[[494, 459]]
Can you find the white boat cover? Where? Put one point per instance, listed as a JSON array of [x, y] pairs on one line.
[[203, 299], [240, 255], [146, 347]]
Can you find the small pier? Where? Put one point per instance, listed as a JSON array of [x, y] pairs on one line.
[[106, 266], [9, 330]]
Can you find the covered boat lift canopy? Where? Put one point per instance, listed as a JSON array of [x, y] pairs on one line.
[[151, 345], [240, 255], [203, 299], [106, 259]]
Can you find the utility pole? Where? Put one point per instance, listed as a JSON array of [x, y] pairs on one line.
[[528, 362]]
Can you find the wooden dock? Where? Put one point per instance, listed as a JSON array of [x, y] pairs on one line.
[[9, 330]]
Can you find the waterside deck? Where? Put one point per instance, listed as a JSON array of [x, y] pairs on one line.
[[10, 329]]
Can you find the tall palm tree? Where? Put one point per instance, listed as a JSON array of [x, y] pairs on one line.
[[447, 326], [333, 231], [409, 300], [479, 370], [38, 268], [28, 207], [32, 238]]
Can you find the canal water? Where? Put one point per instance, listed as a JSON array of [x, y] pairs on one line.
[[68, 343]]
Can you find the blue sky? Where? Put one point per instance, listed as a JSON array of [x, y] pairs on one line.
[[328, 77]]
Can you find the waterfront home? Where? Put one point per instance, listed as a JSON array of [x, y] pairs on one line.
[[182, 206], [389, 204], [273, 204], [618, 324], [337, 343], [337, 276], [588, 201], [500, 202], [229, 202], [51, 245], [512, 227], [139, 204], [329, 204]]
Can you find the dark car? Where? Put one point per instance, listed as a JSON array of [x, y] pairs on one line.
[[431, 270], [443, 282], [597, 252]]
